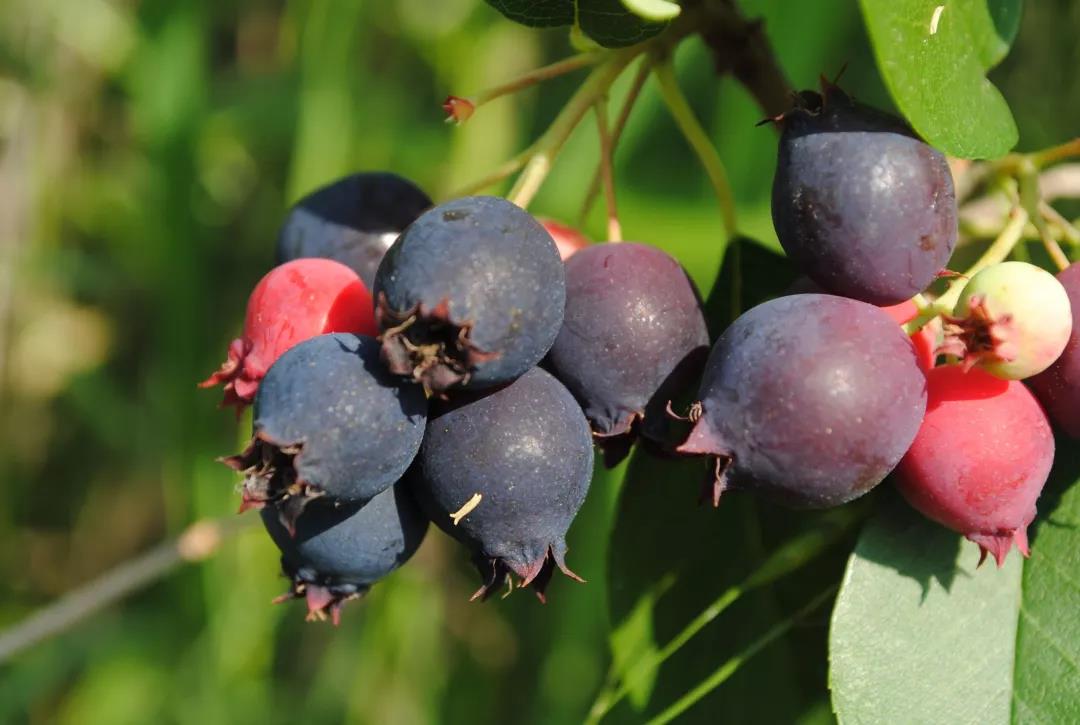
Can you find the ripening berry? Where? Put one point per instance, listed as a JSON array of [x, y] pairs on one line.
[[1058, 387], [809, 399], [292, 303], [980, 459], [633, 336], [1012, 319], [567, 239]]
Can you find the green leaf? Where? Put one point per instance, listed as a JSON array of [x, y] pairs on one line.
[[934, 57], [920, 634], [536, 13], [608, 22], [655, 10]]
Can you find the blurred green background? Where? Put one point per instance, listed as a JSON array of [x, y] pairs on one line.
[[148, 151]]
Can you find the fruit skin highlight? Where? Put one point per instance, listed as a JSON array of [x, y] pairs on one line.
[[292, 303], [1012, 319], [809, 399], [330, 422], [471, 295], [633, 336], [861, 205], [1058, 387], [980, 460], [339, 551], [505, 473], [353, 220]]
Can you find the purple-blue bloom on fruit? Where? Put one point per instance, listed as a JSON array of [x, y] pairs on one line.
[[505, 472], [471, 295], [331, 422], [338, 551], [353, 220]]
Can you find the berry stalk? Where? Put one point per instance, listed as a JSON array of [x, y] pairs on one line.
[[642, 75], [614, 228], [551, 142], [698, 139], [461, 109]]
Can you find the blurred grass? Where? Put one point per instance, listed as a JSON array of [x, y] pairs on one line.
[[147, 153]]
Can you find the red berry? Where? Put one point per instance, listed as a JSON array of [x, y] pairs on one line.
[[567, 239], [292, 303], [980, 459], [1058, 387]]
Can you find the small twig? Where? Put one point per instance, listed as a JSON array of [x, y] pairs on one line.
[[642, 75], [699, 141], [1030, 197], [551, 142], [614, 228], [1056, 153], [198, 542], [538, 75], [1067, 228], [729, 667], [741, 47], [509, 168]]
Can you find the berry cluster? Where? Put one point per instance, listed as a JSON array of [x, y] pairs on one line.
[[455, 363]]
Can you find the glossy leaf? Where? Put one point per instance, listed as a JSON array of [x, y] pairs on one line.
[[934, 57], [536, 13], [608, 22], [921, 634]]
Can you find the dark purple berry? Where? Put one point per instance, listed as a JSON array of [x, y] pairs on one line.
[[505, 473], [1058, 387], [861, 205], [353, 220], [330, 422], [470, 296], [810, 399], [339, 551], [633, 335]]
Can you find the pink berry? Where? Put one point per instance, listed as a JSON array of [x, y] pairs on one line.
[[1058, 387], [980, 459], [292, 303], [567, 239]]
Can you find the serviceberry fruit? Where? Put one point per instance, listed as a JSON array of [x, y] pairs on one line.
[[1058, 387], [980, 459], [567, 239], [633, 336], [330, 422], [505, 472], [860, 204], [293, 302], [1012, 319], [353, 220], [809, 399], [338, 551], [471, 295]]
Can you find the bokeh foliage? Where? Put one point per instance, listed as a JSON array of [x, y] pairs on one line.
[[147, 153]]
